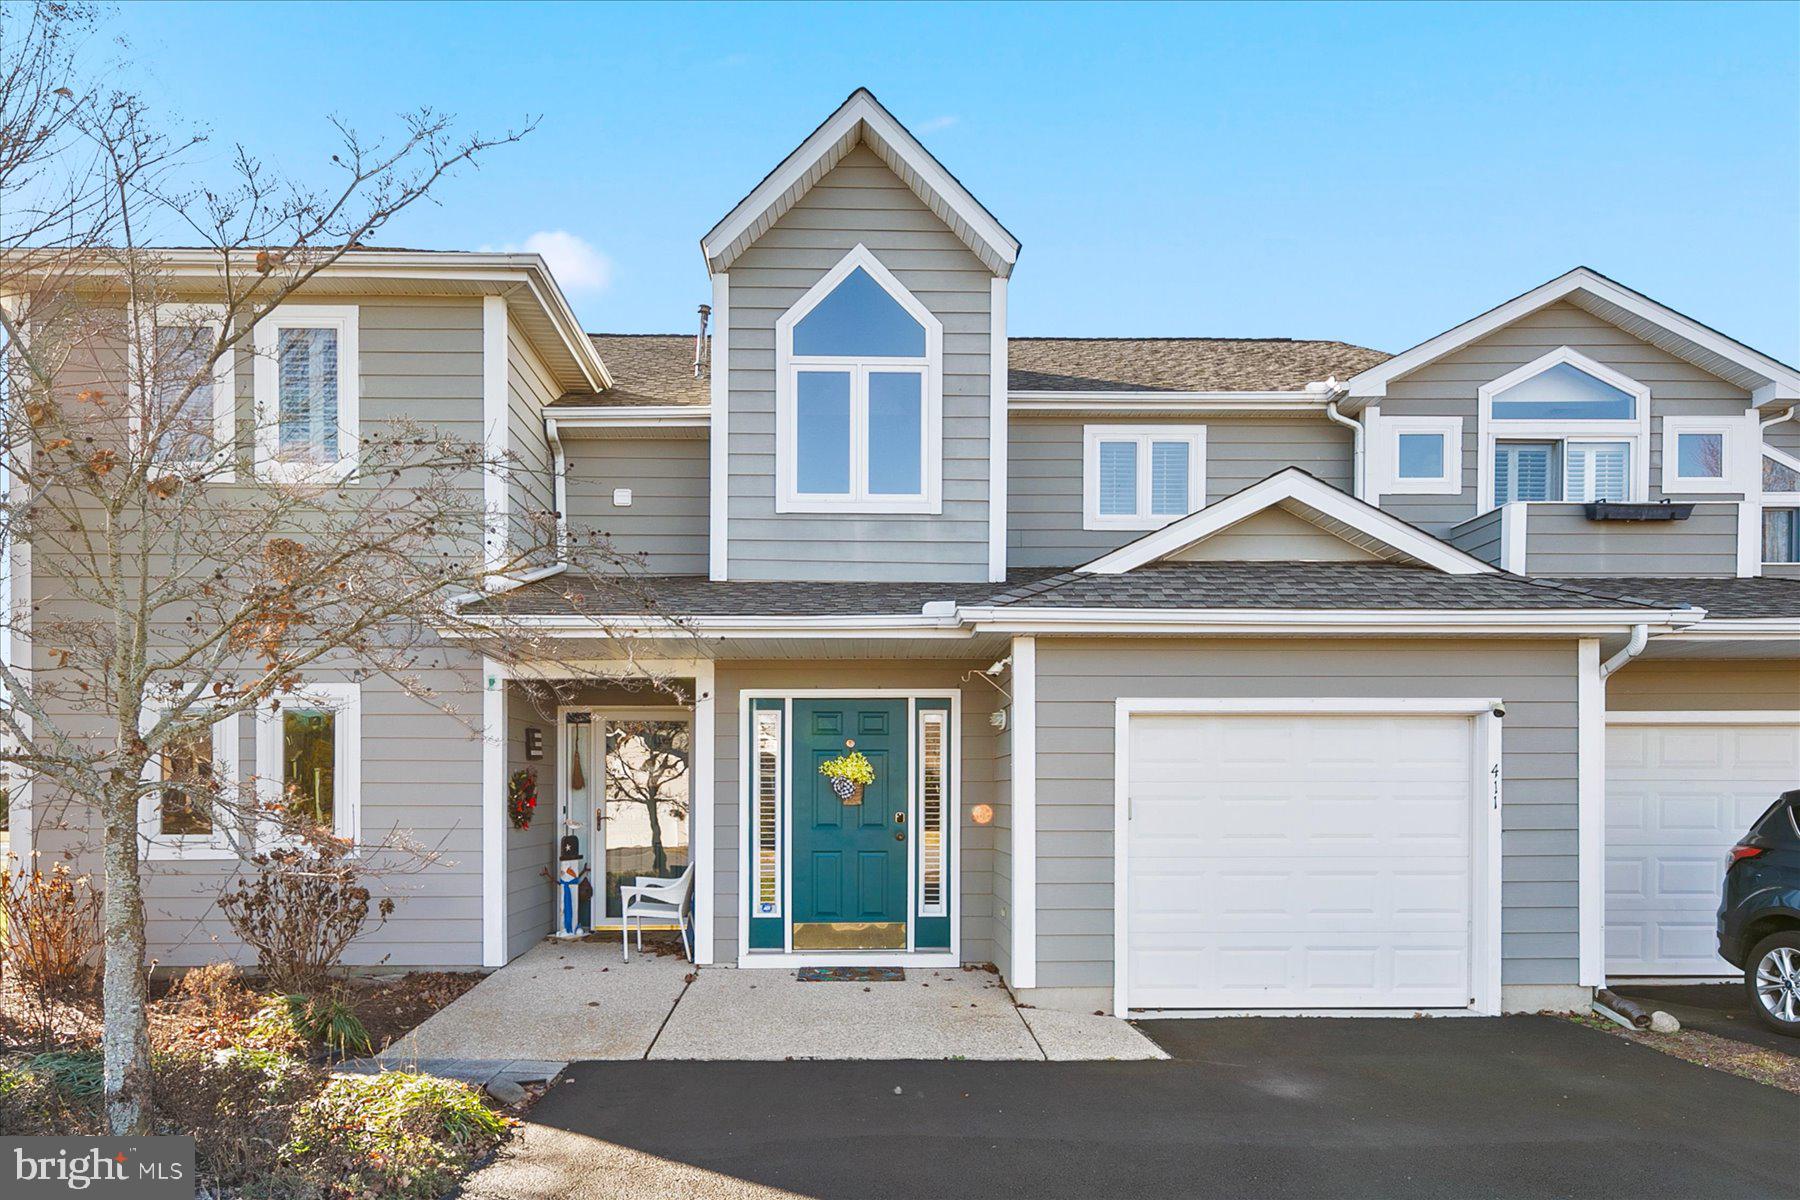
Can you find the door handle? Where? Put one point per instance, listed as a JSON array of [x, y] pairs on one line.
[[899, 835]]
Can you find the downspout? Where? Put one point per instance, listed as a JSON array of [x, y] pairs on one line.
[[1640, 637], [1792, 413], [1357, 433], [561, 497]]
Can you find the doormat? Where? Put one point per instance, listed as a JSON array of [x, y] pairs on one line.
[[852, 974]]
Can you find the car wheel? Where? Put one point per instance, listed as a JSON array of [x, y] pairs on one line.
[[1772, 977]]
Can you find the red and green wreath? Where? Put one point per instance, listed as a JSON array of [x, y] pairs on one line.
[[521, 797]]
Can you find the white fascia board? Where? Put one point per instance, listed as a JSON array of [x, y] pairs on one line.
[[1740, 629], [1018, 619], [635, 416], [1296, 485], [860, 108], [1170, 402], [1783, 381]]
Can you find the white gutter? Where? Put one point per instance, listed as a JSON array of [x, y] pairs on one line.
[[1358, 476], [509, 583], [633, 416], [1640, 637], [560, 497], [1791, 414]]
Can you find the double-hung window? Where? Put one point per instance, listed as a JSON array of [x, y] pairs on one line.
[[185, 412], [1781, 507], [1564, 428], [309, 759], [1142, 476], [858, 396], [186, 812], [307, 390]]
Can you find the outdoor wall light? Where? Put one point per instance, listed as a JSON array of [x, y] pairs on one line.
[[982, 814]]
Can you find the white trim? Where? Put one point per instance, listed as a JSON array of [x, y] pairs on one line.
[[1172, 403], [227, 770], [345, 701], [1491, 430], [999, 431], [787, 957], [784, 186], [1389, 430], [266, 374], [788, 366], [752, 768], [1485, 836], [949, 838], [719, 448], [494, 417], [1749, 539], [493, 812], [1143, 437], [1706, 716], [1783, 381], [1296, 485], [1023, 923], [17, 645], [221, 466], [1514, 521], [1590, 789], [581, 417], [702, 780], [1737, 439]]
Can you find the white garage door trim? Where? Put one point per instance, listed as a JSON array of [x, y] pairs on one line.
[[1677, 717], [1486, 778]]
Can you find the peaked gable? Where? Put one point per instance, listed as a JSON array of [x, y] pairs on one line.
[[861, 120], [1296, 494], [1768, 380]]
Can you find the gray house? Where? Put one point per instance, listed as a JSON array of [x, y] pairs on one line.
[[1223, 675]]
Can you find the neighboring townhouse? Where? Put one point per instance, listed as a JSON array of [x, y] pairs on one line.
[[1232, 675]]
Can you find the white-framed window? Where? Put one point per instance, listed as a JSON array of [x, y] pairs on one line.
[[859, 396], [767, 851], [1424, 455], [308, 390], [1141, 476], [198, 431], [1780, 506], [309, 757], [1563, 427], [1705, 454], [181, 819], [934, 812]]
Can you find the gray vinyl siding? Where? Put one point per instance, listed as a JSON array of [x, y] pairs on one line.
[[1479, 536], [975, 860], [531, 492], [1560, 540], [1044, 475], [859, 201], [668, 518], [1080, 679], [421, 359], [1448, 387], [1662, 685]]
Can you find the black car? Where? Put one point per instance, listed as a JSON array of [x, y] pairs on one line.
[[1759, 915]]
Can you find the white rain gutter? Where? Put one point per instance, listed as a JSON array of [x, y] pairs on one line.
[[1640, 637], [1792, 413], [509, 583], [560, 496], [1358, 474]]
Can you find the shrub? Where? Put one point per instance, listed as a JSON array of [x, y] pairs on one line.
[[329, 1021], [52, 922], [239, 1107], [395, 1134], [299, 910]]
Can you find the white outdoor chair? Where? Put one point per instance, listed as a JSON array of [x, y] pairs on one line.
[[658, 899]]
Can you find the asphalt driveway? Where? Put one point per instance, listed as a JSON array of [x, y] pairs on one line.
[[1717, 1008], [1521, 1106]]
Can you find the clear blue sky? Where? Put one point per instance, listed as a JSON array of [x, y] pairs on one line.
[[1369, 173]]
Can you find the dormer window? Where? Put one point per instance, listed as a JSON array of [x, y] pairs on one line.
[[858, 396], [1564, 428]]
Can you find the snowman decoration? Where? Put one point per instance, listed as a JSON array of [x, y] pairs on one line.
[[571, 873]]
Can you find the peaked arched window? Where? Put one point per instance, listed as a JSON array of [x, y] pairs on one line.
[[858, 395], [1564, 427]]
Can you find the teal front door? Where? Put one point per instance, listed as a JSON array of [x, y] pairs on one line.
[[850, 859]]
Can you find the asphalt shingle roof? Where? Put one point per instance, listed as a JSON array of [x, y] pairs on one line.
[[1727, 599], [1179, 364], [647, 368], [1271, 586]]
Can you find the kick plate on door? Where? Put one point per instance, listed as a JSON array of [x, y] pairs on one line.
[[850, 935]]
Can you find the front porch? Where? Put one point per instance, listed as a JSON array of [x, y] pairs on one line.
[[575, 1001]]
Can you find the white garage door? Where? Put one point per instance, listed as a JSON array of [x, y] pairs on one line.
[[1280, 861], [1677, 797]]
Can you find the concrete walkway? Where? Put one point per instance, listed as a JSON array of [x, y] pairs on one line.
[[577, 1001]]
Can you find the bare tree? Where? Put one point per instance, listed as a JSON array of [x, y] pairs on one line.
[[647, 763], [191, 562]]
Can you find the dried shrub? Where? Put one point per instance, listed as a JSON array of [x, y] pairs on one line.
[[212, 1008], [299, 910], [239, 1106], [397, 1134], [52, 930]]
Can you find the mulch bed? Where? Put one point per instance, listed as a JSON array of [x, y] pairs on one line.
[[1709, 1050]]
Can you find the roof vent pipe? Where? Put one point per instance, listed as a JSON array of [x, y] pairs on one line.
[[700, 339]]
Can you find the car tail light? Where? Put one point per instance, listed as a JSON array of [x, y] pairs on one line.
[[1739, 853]]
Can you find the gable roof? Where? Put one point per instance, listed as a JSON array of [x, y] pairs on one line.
[[1305, 495], [861, 119], [1179, 364], [1768, 380], [646, 369]]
